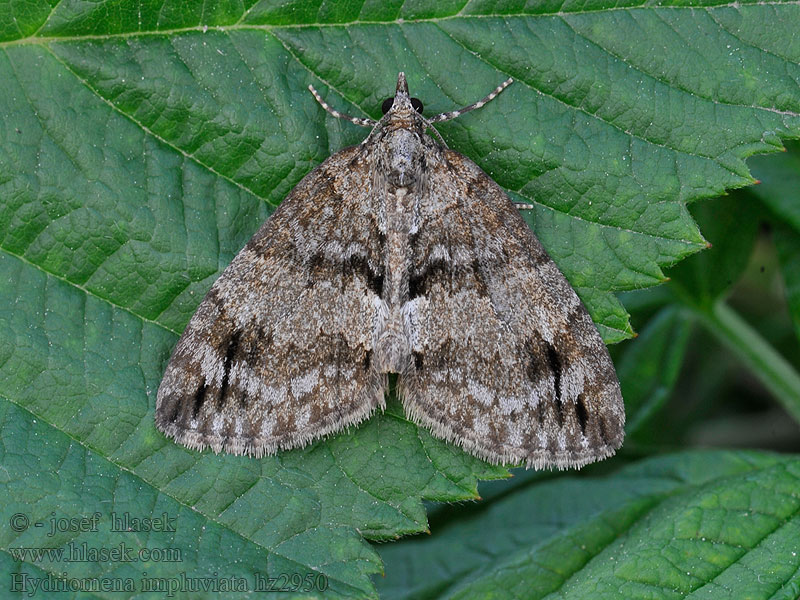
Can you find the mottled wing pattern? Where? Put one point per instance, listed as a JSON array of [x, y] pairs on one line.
[[279, 352], [507, 362]]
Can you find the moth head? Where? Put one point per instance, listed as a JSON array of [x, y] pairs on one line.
[[402, 103]]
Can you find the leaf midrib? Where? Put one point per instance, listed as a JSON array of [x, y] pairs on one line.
[[643, 5]]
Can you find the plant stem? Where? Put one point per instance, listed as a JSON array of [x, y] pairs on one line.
[[746, 343]]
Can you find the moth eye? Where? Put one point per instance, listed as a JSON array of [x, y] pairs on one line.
[[387, 105]]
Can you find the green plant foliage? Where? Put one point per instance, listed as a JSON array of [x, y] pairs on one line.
[[699, 523], [141, 145], [780, 192], [649, 369]]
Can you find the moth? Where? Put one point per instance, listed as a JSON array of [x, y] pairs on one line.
[[397, 255]]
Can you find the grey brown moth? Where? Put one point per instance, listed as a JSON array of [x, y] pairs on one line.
[[402, 256]]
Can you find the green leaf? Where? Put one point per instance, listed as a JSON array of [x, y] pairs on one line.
[[142, 144], [648, 369], [702, 524], [774, 371], [730, 223], [780, 191], [780, 184], [79, 377], [787, 241], [702, 281], [87, 486]]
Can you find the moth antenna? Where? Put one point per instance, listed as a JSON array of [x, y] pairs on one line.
[[360, 121], [524, 206], [433, 129], [446, 116]]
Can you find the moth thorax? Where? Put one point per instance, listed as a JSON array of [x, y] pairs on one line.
[[404, 157]]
